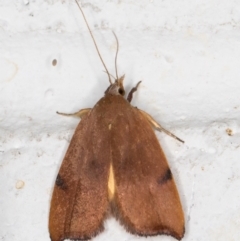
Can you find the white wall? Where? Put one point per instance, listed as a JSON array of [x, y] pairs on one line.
[[187, 53]]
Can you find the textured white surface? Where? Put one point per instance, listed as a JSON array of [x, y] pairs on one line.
[[188, 55]]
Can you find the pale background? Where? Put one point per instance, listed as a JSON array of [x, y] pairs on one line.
[[187, 53]]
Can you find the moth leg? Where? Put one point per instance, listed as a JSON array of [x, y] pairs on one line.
[[158, 127], [81, 113], [130, 95]]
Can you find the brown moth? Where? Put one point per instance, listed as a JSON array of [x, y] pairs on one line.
[[115, 164]]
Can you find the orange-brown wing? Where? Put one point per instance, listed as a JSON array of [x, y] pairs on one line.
[[146, 199], [80, 197]]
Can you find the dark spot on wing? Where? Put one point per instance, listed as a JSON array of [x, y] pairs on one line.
[[60, 182], [93, 163], [167, 176], [95, 169]]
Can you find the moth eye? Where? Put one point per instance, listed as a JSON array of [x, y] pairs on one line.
[[121, 91]]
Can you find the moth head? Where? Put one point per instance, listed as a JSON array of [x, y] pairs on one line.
[[117, 87]]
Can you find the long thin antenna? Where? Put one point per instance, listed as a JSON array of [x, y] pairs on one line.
[[94, 40], [116, 54]]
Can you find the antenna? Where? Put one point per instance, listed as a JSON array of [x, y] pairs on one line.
[[109, 77], [116, 54]]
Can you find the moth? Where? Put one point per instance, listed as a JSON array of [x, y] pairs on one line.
[[115, 165]]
